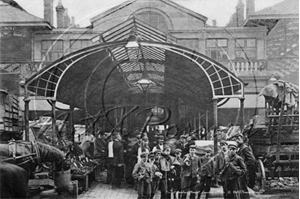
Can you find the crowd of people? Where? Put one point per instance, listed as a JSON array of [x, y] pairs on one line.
[[176, 169]]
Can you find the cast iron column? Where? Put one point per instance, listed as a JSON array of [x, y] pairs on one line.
[[53, 117], [242, 99], [215, 101]]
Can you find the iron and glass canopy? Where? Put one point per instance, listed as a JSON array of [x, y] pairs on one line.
[[126, 54]]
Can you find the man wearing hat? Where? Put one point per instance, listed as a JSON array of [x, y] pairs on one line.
[[189, 173], [181, 142], [143, 173], [246, 153], [206, 172], [160, 144], [234, 169]]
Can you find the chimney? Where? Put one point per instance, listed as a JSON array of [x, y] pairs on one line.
[[240, 13], [48, 11], [60, 14], [66, 19], [214, 22], [72, 21], [250, 7]]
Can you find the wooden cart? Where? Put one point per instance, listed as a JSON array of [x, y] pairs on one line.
[[274, 137]]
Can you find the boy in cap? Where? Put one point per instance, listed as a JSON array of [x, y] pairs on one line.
[[234, 169], [157, 175], [143, 173], [189, 173], [206, 172], [246, 153], [165, 165], [220, 159], [178, 162]]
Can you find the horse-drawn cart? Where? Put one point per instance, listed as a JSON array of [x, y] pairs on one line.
[[274, 137]]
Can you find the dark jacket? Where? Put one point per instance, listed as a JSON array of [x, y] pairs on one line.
[[193, 169], [220, 162], [246, 153], [143, 170], [207, 165], [118, 151], [100, 147], [234, 168], [165, 163]]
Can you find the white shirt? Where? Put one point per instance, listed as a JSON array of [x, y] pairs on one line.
[[110, 149], [140, 152]]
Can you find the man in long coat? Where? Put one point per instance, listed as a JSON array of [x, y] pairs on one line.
[[118, 161]]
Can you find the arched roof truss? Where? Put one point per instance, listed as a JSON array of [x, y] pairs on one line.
[[112, 68]]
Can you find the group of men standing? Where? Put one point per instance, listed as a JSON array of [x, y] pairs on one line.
[[181, 170]]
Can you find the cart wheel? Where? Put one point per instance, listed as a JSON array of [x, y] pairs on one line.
[[261, 176]]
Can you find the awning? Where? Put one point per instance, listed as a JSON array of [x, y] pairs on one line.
[[110, 73]]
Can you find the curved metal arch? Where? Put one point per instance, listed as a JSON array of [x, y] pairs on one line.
[[188, 53], [194, 57]]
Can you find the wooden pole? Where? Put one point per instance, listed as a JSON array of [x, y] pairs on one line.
[[280, 125], [26, 118]]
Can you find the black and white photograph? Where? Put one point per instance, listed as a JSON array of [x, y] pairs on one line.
[[149, 99]]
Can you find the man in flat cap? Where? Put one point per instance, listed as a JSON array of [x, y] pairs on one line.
[[206, 172], [143, 173], [118, 160], [181, 142], [160, 144], [234, 169], [190, 172]]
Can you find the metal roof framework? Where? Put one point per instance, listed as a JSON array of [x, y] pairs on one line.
[[108, 71]]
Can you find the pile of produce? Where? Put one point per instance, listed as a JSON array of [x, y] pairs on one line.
[[80, 164]]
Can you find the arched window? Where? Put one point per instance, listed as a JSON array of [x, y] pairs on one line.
[[153, 19]]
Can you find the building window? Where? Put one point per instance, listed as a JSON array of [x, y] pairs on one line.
[[52, 49], [217, 49], [154, 19], [189, 43], [79, 44], [245, 48]]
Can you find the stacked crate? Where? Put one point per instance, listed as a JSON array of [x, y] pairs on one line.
[[11, 123]]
